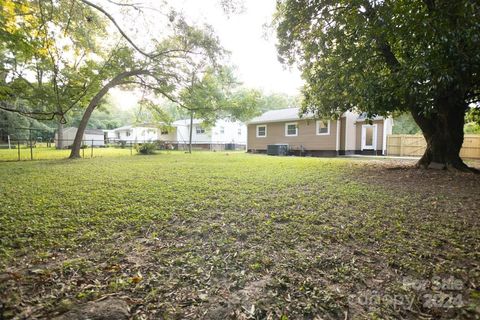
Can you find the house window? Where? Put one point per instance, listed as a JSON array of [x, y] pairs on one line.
[[261, 131], [127, 133], [222, 130], [291, 129], [323, 127], [199, 130], [118, 135], [239, 131], [163, 131]]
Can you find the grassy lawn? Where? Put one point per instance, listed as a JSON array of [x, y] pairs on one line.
[[220, 236]]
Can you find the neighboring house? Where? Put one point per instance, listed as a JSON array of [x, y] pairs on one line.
[[90, 136], [109, 135], [350, 134], [136, 133], [225, 131]]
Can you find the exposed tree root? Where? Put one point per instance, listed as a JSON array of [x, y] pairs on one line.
[[454, 166]]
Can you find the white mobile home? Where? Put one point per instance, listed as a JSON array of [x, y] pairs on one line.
[[136, 134], [225, 131], [91, 137]]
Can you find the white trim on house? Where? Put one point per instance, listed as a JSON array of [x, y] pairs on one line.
[[256, 130], [374, 137], [286, 129], [346, 134], [384, 138], [318, 127], [337, 142]]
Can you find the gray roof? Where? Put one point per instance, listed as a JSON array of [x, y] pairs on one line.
[[87, 131], [293, 114], [122, 128], [140, 125], [186, 122], [280, 115], [364, 116]]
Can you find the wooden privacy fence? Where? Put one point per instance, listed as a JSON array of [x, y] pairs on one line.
[[409, 145]]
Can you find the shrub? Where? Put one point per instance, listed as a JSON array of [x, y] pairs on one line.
[[146, 148]]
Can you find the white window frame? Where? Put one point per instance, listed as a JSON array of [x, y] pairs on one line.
[[260, 126], [286, 129], [318, 127], [199, 130]]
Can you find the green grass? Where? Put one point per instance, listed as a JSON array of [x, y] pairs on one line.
[[216, 233]]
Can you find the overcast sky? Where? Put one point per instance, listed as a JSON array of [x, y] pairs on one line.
[[243, 34]]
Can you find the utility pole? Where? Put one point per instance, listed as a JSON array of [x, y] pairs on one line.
[[191, 132], [31, 144]]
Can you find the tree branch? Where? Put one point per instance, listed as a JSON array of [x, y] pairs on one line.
[[382, 44], [112, 19]]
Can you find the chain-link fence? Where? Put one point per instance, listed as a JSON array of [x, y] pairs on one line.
[[39, 149]]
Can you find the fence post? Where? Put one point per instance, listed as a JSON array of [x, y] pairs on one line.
[[131, 148], [91, 152], [401, 144], [387, 144], [31, 146], [18, 146]]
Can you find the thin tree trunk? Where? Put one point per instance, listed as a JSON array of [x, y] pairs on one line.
[[75, 153], [443, 132], [191, 132], [60, 143]]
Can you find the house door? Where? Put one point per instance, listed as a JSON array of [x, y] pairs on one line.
[[369, 137]]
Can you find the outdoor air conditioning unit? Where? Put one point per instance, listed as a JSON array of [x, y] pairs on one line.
[[277, 149]]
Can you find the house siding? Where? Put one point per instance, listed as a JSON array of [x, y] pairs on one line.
[[343, 127], [306, 137], [69, 137], [213, 135]]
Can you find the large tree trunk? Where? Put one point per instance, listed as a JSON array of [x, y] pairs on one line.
[[443, 132], [77, 143]]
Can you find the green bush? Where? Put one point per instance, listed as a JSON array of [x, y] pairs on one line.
[[146, 148]]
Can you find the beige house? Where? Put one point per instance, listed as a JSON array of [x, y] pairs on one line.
[[352, 133]]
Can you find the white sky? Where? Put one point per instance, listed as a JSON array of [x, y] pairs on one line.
[[243, 34]]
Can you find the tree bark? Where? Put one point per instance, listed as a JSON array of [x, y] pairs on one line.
[[77, 143], [443, 132], [60, 144]]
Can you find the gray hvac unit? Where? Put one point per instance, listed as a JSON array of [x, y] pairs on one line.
[[277, 149]]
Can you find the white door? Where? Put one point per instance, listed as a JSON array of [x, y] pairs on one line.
[[369, 137]]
